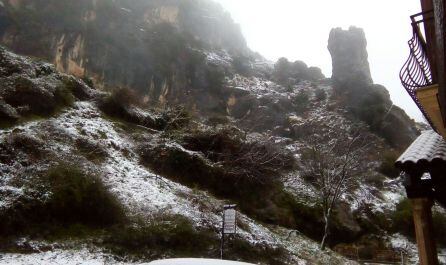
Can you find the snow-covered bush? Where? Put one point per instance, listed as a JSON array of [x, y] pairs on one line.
[[247, 163], [122, 104], [91, 150]]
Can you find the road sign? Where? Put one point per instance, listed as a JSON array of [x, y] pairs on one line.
[[229, 221], [229, 224]]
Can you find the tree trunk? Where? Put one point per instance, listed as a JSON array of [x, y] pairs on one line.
[[326, 229]]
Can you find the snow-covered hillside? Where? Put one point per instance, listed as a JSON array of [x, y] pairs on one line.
[[143, 192], [169, 116]]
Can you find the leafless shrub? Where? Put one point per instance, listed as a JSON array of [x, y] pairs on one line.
[[252, 162], [176, 117], [333, 167]]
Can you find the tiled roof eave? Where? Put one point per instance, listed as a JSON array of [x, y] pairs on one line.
[[428, 148]]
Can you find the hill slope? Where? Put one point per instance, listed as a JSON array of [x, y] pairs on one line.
[[242, 136]]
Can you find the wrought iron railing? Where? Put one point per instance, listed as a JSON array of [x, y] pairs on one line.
[[416, 72]]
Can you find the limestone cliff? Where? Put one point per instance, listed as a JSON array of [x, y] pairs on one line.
[[146, 45]]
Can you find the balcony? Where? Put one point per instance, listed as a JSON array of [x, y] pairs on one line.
[[418, 73]]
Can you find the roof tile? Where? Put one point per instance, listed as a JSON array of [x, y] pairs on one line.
[[427, 147]]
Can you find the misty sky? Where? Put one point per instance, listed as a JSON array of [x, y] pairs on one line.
[[299, 29]]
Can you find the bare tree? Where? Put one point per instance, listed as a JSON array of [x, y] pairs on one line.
[[333, 168]]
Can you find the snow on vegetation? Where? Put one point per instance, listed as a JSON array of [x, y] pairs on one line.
[[146, 194], [221, 58], [141, 191]]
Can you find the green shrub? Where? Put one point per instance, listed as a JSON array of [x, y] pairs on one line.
[[375, 180], [77, 88], [303, 217], [372, 222], [239, 249], [92, 151], [63, 98], [80, 198], [67, 196], [308, 219], [218, 120], [242, 65], [315, 73], [402, 220], [89, 82], [169, 236], [117, 102], [301, 101], [439, 220], [387, 166], [320, 94], [27, 144], [40, 101], [282, 71]]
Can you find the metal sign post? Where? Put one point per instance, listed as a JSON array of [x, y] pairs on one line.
[[229, 224]]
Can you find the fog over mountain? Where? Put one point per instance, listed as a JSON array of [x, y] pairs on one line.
[[298, 30]]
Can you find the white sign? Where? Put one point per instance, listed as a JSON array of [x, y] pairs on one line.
[[229, 221]]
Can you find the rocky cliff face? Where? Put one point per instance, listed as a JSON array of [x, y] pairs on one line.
[[367, 101], [145, 45], [348, 49]]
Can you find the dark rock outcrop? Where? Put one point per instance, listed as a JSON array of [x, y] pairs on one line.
[[355, 89], [348, 49], [29, 89]]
